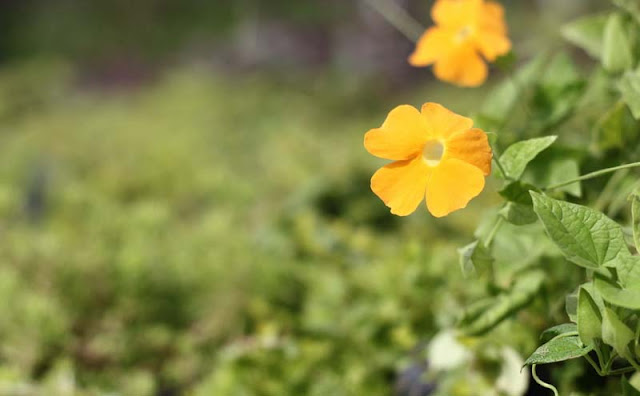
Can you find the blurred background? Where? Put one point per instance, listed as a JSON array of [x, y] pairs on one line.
[[185, 205]]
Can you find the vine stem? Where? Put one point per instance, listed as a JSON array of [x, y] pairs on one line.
[[634, 364], [594, 365], [541, 382], [495, 158], [497, 161], [398, 17], [607, 367], [592, 175], [621, 371], [494, 230], [487, 245], [601, 362]]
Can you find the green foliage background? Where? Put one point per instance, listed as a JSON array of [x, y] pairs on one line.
[[196, 238]]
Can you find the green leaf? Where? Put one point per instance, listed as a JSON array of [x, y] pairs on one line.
[[518, 214], [628, 389], [522, 246], [587, 33], [492, 137], [558, 350], [616, 333], [586, 237], [628, 270], [490, 313], [560, 73], [553, 167], [634, 380], [615, 127], [617, 52], [589, 318], [635, 215], [557, 95], [571, 300], [506, 62], [629, 86], [597, 298], [516, 157], [631, 6], [519, 209], [472, 257], [501, 99], [598, 94], [571, 305], [614, 294], [561, 169], [555, 331], [518, 192], [475, 309]]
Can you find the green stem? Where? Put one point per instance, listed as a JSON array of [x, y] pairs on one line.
[[493, 232], [609, 190], [487, 244], [607, 367], [502, 171], [623, 370], [541, 382], [593, 174], [634, 364], [496, 159], [595, 365], [638, 324], [512, 112], [601, 360], [398, 17]]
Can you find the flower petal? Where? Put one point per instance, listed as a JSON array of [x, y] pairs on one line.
[[435, 43], [452, 185], [455, 13], [443, 122], [463, 67], [400, 137], [492, 45], [401, 185], [491, 37], [472, 147], [491, 17]]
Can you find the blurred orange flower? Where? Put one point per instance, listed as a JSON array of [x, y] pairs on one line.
[[465, 29], [437, 153]]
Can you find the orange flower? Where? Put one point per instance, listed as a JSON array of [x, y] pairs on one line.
[[465, 29], [437, 153]]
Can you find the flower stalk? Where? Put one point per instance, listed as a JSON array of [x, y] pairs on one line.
[[398, 17], [592, 175]]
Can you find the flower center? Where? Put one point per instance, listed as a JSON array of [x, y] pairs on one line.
[[432, 152], [464, 33]]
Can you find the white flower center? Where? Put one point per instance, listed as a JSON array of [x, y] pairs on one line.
[[432, 152], [464, 33]]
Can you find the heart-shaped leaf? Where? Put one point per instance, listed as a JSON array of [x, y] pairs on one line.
[[585, 236]]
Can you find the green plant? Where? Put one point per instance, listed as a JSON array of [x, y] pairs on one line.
[[595, 122], [551, 123]]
